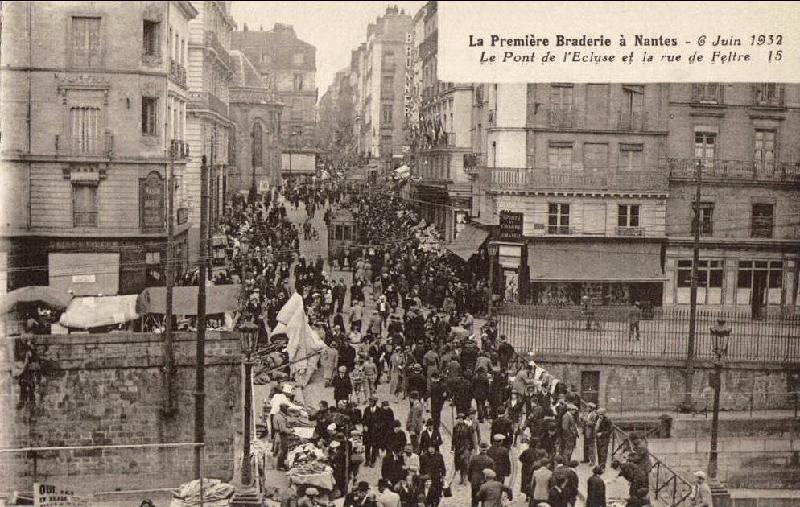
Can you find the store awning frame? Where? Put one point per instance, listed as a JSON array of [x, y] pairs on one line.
[[468, 241], [589, 261]]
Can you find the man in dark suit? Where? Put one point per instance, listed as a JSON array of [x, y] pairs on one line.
[[477, 465], [596, 489], [385, 425], [431, 464], [438, 393], [430, 436], [372, 430]]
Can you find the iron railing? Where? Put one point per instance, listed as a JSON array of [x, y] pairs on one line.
[[662, 333], [768, 94], [207, 100], [708, 93], [734, 170], [177, 73], [521, 178], [561, 117], [634, 121], [85, 146]]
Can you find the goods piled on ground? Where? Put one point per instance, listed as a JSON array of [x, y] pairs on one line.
[[215, 494]]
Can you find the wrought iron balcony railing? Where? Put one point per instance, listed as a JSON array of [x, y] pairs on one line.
[[735, 170], [516, 178], [85, 146], [177, 73]]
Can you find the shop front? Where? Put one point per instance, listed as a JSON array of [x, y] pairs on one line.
[[609, 273]]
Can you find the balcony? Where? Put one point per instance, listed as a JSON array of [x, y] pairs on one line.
[[708, 93], [768, 95], [212, 42], [561, 117], [207, 100], [632, 121], [735, 171], [630, 231], [179, 149], [504, 179], [94, 147], [177, 73], [429, 46]]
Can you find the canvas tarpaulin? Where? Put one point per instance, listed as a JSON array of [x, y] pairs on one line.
[[91, 312], [219, 299], [468, 241], [303, 344]]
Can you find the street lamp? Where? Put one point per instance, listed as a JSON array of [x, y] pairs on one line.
[[719, 335], [249, 336], [492, 251]]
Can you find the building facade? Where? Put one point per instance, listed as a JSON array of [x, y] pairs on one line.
[[288, 66], [209, 129], [384, 86], [743, 139], [572, 174], [93, 100], [442, 135], [256, 114]]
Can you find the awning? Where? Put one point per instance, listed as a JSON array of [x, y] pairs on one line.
[[592, 261], [91, 312], [48, 296], [468, 241], [219, 299]]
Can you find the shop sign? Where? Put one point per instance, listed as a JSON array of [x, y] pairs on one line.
[[50, 495], [510, 226]]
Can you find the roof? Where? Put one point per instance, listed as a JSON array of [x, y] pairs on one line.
[[48, 296], [595, 261], [245, 73]]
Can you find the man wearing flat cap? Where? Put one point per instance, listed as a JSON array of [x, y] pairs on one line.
[[701, 492], [569, 432], [500, 454]]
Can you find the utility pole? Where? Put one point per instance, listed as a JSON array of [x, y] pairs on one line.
[[696, 223], [210, 180], [200, 353], [169, 352]]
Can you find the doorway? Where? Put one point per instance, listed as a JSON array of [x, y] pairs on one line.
[[590, 386]]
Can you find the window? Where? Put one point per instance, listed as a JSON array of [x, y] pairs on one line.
[[153, 267], [558, 218], [559, 157], [760, 279], [708, 93], [768, 94], [298, 82], [561, 97], [86, 46], [709, 282], [705, 148], [705, 218], [298, 59], [387, 81], [763, 218], [258, 136], [628, 215], [633, 98], [84, 205], [297, 110], [85, 129], [149, 116], [387, 113], [595, 157], [150, 38], [630, 157], [764, 154]]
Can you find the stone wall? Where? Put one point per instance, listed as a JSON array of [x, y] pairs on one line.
[[636, 384], [108, 390]]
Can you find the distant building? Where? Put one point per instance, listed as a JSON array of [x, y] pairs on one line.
[[288, 66], [92, 114], [744, 138], [257, 116], [441, 125], [384, 87]]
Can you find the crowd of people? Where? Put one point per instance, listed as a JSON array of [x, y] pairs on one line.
[[422, 339]]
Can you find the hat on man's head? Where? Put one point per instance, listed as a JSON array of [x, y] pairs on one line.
[[363, 486], [499, 437], [489, 473], [700, 474], [287, 389], [335, 444], [312, 492]]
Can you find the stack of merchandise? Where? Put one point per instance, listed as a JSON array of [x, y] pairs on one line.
[[304, 459], [215, 494]]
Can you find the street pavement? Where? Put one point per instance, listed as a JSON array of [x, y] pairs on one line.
[[315, 391]]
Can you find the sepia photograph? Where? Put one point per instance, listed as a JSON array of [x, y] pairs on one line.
[[399, 254]]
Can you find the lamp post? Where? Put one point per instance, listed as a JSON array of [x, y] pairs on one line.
[[719, 335], [249, 336], [492, 251]]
